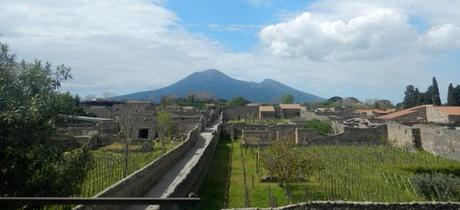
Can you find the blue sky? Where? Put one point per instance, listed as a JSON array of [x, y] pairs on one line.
[[234, 23], [362, 48]]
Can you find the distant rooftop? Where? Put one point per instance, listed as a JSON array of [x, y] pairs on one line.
[[266, 109], [290, 106], [397, 114], [447, 110]]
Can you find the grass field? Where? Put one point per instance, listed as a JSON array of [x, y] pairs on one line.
[[353, 173]]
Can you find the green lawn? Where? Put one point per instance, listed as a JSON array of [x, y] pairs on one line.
[[213, 188], [353, 173]]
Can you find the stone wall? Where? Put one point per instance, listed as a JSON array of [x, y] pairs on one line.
[[434, 115], [192, 181], [267, 134], [401, 136], [257, 137], [440, 141], [344, 205], [139, 182], [374, 135], [241, 112]]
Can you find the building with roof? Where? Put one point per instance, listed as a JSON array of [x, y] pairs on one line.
[[289, 111], [374, 112], [425, 114], [267, 112]]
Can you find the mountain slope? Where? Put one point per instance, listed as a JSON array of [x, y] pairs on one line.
[[215, 83]]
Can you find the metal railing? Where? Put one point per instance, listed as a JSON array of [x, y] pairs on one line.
[[182, 203]]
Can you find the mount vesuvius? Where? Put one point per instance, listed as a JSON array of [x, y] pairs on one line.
[[218, 85]]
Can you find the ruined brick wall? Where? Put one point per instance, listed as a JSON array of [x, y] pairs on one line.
[[283, 132], [241, 112], [440, 141], [258, 137], [306, 136], [401, 136], [376, 135], [295, 133], [436, 116]]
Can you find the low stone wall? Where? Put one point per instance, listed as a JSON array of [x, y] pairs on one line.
[[257, 137], [440, 141], [299, 135], [139, 182], [343, 205], [195, 177]]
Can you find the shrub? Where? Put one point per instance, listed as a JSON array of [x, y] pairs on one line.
[[323, 127], [437, 186]]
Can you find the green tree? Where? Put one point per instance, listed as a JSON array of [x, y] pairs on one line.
[[450, 95], [287, 99], [164, 124], [410, 98], [456, 96], [435, 93], [428, 96], [287, 163], [30, 107], [383, 104], [336, 99], [238, 101]]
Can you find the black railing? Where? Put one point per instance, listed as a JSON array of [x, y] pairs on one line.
[[25, 201]]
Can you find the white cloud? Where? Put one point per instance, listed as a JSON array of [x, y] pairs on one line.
[[446, 36], [359, 47], [376, 33], [112, 45]]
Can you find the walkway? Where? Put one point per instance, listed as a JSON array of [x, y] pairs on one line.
[[177, 173]]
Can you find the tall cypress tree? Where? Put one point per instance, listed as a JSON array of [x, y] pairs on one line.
[[456, 96], [428, 96], [436, 99], [450, 95]]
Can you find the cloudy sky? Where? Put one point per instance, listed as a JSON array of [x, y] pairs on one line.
[[361, 48]]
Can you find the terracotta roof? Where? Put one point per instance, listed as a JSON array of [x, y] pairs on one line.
[[401, 113], [290, 106], [266, 109], [449, 110]]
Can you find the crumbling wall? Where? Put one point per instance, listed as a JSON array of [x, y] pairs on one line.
[[401, 136], [373, 135], [440, 141], [257, 137], [436, 116], [241, 112]]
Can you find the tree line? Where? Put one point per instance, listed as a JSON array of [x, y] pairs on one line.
[[414, 97], [453, 95]]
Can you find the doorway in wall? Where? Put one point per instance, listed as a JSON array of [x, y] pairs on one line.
[[143, 133]]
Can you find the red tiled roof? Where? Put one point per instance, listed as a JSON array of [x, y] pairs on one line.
[[378, 111], [400, 113], [449, 110]]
